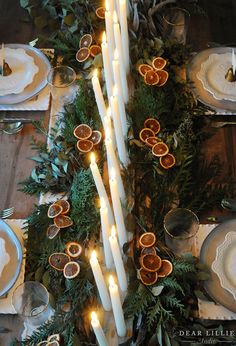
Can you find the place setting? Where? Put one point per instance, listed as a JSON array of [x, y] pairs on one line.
[[23, 85]]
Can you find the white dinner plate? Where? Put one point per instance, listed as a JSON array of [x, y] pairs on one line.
[[39, 81], [224, 264], [212, 75], [23, 71], [12, 269]]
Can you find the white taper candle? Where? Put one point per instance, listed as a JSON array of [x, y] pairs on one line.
[[119, 218], [105, 234], [100, 336], [107, 66], [117, 308], [124, 33], [109, 31], [99, 96], [100, 282], [120, 270]]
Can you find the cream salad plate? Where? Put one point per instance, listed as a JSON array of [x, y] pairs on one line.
[[212, 76], [23, 71], [224, 264]]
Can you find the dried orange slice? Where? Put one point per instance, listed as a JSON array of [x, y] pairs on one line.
[[54, 337], [58, 260], [96, 137], [85, 41], [63, 221], [82, 54], [54, 210], [52, 231], [71, 270], [160, 149], [43, 343], [84, 145], [148, 251], [151, 141], [53, 343], [163, 77], [147, 239], [100, 12], [148, 278], [151, 263], [167, 161], [145, 133], [143, 68], [153, 124], [95, 50], [83, 131], [151, 77], [166, 268], [159, 63], [73, 249], [65, 206]]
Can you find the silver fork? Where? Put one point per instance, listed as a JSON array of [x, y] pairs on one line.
[[5, 213]]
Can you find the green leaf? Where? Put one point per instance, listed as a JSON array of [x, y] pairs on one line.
[[156, 291], [34, 175], [65, 166], [46, 279], [137, 142], [87, 64], [36, 159], [39, 274], [69, 19], [97, 61], [24, 3], [159, 334], [40, 22], [167, 339], [203, 276]]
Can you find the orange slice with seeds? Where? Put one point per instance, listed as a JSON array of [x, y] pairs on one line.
[[71, 270], [63, 221], [167, 161], [73, 249], [163, 77], [160, 149], [58, 260], [100, 12], [65, 206], [147, 239], [159, 63], [152, 124], [54, 210], [151, 78], [148, 251], [52, 231], [145, 133], [82, 54], [84, 145], [96, 137], [85, 41], [151, 263], [95, 50], [166, 268], [143, 68], [83, 131], [148, 278], [151, 141]]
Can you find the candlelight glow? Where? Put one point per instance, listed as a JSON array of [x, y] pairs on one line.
[[116, 54], [115, 18], [113, 231], [111, 281], [104, 38], [95, 73], [102, 203], [93, 256], [113, 173], [92, 158], [107, 5], [94, 316]]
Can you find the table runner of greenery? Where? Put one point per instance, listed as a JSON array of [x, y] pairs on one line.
[[171, 302]]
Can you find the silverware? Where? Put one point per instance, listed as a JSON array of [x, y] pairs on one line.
[[5, 213], [14, 120]]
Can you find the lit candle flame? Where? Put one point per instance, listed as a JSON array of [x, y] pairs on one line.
[[102, 203], [95, 73], [94, 316], [107, 5], [92, 158], [116, 54], [115, 18], [104, 38], [94, 256], [113, 231], [111, 281]]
